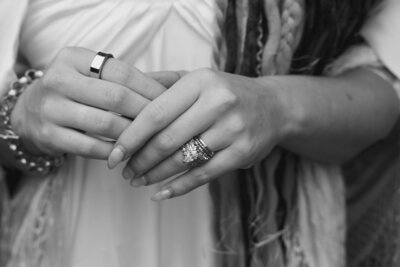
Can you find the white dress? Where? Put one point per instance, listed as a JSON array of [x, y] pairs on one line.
[[107, 222]]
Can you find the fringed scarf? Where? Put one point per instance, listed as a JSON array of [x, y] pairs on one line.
[[255, 208]]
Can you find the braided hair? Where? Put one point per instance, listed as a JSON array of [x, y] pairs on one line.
[[269, 37]]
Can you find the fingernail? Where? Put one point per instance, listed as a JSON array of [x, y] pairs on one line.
[[138, 181], [128, 173], [116, 156], [162, 195]]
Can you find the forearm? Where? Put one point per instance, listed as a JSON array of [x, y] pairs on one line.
[[333, 119]]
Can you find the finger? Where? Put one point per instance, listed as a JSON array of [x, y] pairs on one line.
[[72, 142], [194, 121], [119, 72], [166, 78], [215, 139], [116, 71], [89, 119], [169, 167], [97, 93], [221, 163], [170, 140], [154, 117], [174, 164]]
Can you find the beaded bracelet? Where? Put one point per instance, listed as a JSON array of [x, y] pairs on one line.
[[32, 163]]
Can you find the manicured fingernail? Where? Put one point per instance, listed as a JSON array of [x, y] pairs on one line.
[[138, 181], [128, 173], [116, 156], [162, 195]]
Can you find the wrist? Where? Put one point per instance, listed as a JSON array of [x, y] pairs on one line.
[[291, 114]]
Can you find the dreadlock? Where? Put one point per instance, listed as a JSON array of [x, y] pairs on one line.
[[268, 37], [330, 27]]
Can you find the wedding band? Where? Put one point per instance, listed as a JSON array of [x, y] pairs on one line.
[[96, 67], [196, 152]]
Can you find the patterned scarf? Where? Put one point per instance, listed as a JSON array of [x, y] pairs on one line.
[[270, 37]]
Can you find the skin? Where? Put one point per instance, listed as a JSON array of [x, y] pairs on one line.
[[242, 119], [65, 110], [321, 118]]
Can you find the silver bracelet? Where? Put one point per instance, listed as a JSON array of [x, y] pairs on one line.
[[33, 163]]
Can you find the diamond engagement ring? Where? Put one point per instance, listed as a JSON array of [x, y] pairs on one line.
[[195, 152]]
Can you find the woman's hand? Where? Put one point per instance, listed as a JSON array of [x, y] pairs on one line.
[[65, 110], [238, 118]]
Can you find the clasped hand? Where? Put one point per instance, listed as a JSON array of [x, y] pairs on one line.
[[236, 117], [64, 112]]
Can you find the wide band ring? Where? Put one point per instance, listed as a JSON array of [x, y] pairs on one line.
[[96, 67], [196, 152]]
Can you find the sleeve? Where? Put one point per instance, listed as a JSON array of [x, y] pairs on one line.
[[382, 33], [11, 18]]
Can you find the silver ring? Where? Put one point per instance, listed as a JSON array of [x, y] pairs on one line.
[[96, 67], [196, 152]]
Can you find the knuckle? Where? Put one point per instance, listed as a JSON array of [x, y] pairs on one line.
[[239, 152], [82, 117], [45, 139], [93, 122], [246, 146], [103, 123], [52, 79], [87, 148], [137, 164], [221, 96], [207, 74], [46, 107], [226, 99], [121, 72], [202, 176], [114, 97], [165, 143], [44, 133], [217, 89], [152, 178], [156, 113], [236, 153], [237, 125], [246, 150], [209, 78]]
